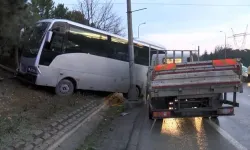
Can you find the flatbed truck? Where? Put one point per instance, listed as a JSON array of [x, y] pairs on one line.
[[189, 88]]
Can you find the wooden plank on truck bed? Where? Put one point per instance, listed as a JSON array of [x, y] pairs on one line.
[[232, 79], [194, 75], [193, 91]]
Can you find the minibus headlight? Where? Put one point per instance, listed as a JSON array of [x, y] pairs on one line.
[[32, 69]]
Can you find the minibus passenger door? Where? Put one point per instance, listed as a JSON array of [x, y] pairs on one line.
[[53, 47], [54, 43]]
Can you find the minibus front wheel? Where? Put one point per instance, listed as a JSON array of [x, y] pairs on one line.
[[65, 87]]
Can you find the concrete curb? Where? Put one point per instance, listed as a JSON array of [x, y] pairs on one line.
[[136, 131], [69, 133], [43, 138]]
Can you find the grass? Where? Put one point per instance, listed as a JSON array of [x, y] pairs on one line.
[[91, 140], [10, 126]]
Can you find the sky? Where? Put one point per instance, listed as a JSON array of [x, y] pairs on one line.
[[185, 27]]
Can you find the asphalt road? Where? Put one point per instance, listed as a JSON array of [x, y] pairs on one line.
[[226, 133]]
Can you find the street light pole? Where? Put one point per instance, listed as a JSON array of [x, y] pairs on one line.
[[139, 28], [225, 43]]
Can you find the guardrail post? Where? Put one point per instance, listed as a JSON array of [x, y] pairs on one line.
[[191, 56], [225, 96], [198, 53], [173, 56], [157, 57], [182, 55]]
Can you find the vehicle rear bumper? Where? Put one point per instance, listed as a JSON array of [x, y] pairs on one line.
[[223, 111]]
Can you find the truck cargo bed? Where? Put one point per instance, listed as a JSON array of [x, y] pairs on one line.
[[196, 78]]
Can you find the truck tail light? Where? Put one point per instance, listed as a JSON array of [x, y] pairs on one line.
[[164, 114]]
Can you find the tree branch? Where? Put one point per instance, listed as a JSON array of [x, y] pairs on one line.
[[101, 15]]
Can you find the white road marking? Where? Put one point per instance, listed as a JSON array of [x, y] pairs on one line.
[[226, 135]]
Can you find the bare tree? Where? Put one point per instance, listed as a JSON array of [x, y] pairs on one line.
[[101, 15]]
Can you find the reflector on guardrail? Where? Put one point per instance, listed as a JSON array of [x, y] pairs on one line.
[[224, 62], [165, 67]]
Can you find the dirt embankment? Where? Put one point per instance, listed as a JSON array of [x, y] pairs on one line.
[[24, 108]]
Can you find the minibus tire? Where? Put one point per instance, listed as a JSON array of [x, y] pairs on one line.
[[138, 93], [64, 88]]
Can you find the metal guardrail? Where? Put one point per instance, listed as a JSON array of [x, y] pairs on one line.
[[191, 54]]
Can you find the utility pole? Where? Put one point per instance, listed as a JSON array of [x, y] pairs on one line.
[[225, 43], [139, 28], [132, 88]]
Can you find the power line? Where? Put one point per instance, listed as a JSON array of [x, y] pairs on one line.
[[169, 4]]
